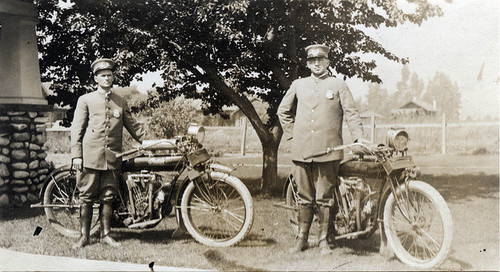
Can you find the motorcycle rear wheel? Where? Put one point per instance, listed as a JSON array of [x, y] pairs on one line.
[[62, 190], [419, 229], [217, 211]]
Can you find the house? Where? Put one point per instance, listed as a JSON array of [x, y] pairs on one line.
[[416, 109], [236, 115]]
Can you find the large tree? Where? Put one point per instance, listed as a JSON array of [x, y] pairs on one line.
[[219, 51]]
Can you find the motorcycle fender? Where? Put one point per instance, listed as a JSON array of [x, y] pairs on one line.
[[50, 176], [217, 167], [193, 174]]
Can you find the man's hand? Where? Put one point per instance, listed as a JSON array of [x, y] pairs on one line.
[[77, 164]]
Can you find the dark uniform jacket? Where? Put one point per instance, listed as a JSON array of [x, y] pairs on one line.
[[311, 114], [97, 129]]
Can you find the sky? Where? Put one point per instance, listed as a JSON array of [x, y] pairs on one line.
[[457, 44]]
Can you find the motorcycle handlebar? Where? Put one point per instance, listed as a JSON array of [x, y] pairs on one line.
[[128, 152], [340, 147]]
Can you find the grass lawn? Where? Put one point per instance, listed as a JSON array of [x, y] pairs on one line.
[[463, 181]]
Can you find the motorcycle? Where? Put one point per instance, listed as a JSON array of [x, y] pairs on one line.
[[379, 189], [158, 177]]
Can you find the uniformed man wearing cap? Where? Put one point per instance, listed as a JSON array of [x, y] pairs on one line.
[[96, 138], [311, 114]]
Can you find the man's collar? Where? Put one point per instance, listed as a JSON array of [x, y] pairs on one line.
[[323, 76], [101, 91]]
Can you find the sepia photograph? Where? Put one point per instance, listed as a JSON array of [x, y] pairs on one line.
[[249, 135]]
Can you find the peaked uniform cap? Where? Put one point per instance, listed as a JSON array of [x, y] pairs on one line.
[[102, 64], [317, 51]]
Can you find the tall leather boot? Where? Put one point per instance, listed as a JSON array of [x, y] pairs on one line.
[[85, 221], [106, 211], [324, 226], [305, 216]]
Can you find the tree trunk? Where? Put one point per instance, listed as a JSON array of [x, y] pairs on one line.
[[270, 182]]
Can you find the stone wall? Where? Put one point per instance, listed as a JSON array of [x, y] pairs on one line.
[[23, 167]]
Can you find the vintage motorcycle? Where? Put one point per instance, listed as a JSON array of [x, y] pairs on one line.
[[158, 177], [378, 188]]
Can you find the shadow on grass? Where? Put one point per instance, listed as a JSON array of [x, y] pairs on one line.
[[361, 247], [256, 240], [463, 187], [23, 212], [150, 236], [220, 263]]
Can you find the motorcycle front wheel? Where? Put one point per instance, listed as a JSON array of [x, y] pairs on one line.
[[418, 225], [217, 210], [62, 198]]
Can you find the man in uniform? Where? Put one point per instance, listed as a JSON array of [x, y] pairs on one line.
[[311, 114], [96, 138]]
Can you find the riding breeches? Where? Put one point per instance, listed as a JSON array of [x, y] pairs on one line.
[[98, 185], [315, 182]]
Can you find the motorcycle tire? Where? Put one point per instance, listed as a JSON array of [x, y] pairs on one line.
[[61, 190], [420, 229], [217, 211]]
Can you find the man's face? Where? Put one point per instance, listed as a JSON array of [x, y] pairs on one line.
[[318, 66], [104, 78]]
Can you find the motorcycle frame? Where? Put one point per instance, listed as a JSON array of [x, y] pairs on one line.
[[391, 183], [185, 175]]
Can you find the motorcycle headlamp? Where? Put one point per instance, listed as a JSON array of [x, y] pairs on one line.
[[397, 139], [196, 132]]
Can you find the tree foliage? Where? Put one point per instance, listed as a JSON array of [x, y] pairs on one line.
[[445, 93], [219, 51], [378, 100], [408, 88]]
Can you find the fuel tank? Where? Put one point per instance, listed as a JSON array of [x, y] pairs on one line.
[[363, 168], [155, 163]]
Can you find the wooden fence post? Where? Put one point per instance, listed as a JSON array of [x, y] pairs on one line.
[[372, 128], [243, 122], [443, 133]]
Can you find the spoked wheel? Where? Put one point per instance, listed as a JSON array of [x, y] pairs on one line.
[[418, 225], [291, 201], [63, 213], [217, 211]]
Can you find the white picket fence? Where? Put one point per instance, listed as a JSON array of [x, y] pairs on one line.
[[432, 138]]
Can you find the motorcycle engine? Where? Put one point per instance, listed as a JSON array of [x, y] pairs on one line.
[[349, 217], [146, 194]]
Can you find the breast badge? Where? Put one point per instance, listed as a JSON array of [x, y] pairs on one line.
[[329, 94], [116, 113]]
